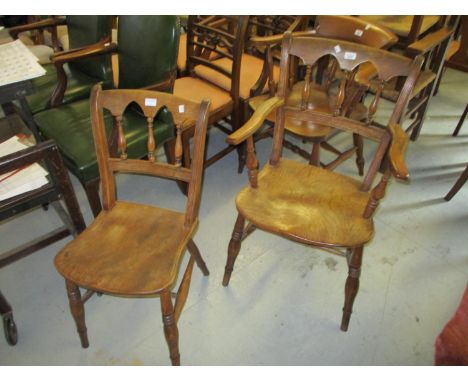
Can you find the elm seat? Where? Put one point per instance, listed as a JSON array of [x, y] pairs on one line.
[[65, 125], [303, 211], [250, 71], [160, 240]]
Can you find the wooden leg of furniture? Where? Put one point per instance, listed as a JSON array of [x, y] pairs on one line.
[[359, 153], [459, 183], [170, 327], [77, 311], [315, 154], [9, 326], [460, 122], [92, 192], [195, 253], [352, 286], [234, 248]]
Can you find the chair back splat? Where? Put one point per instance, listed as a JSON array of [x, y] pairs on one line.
[[183, 112], [348, 57]]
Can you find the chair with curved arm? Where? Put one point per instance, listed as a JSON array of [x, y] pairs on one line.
[[81, 74], [309, 204], [147, 53]]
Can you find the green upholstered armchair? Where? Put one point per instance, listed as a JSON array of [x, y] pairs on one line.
[[147, 54], [81, 75]]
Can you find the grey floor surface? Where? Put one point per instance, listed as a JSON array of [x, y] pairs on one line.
[[283, 305]]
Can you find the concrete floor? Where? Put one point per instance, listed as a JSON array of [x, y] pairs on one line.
[[283, 305]]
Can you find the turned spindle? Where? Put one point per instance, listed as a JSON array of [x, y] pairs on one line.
[[178, 147], [122, 143], [306, 88], [252, 162], [151, 142]]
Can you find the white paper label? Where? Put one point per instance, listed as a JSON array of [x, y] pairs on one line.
[[337, 49], [181, 108], [350, 55], [151, 101], [358, 32]]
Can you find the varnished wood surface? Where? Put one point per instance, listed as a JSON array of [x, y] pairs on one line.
[[307, 204], [136, 250]]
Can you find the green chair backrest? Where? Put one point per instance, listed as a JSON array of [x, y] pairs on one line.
[[148, 47], [86, 30]]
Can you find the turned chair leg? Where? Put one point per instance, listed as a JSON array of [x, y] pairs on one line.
[[77, 311], [459, 183], [195, 253], [314, 159], [352, 286], [234, 248], [460, 122], [170, 327]]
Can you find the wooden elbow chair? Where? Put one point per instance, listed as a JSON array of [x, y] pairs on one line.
[[81, 75], [147, 59], [309, 204], [135, 250]]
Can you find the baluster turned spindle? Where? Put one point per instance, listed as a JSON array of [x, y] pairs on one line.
[[151, 142], [375, 102], [306, 88], [178, 147], [122, 143], [377, 193], [252, 162], [341, 95]]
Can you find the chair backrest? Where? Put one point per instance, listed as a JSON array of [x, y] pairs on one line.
[[150, 102], [349, 57], [87, 30], [274, 25], [147, 48], [355, 30], [224, 39]]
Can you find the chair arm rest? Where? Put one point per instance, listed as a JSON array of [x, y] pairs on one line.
[[100, 48], [397, 151], [47, 23], [429, 42], [256, 121]]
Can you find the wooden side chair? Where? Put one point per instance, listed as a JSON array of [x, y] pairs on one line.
[[130, 249], [147, 51], [76, 78], [321, 95], [309, 204]]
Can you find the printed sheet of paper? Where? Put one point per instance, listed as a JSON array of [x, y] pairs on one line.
[[22, 180], [17, 63]]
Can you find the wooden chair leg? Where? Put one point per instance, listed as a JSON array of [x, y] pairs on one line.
[[77, 311], [315, 154], [234, 248], [170, 327], [352, 286], [458, 184], [92, 192], [460, 122], [195, 253], [358, 143]]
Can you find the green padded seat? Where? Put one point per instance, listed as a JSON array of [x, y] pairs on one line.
[[81, 74], [70, 127]]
